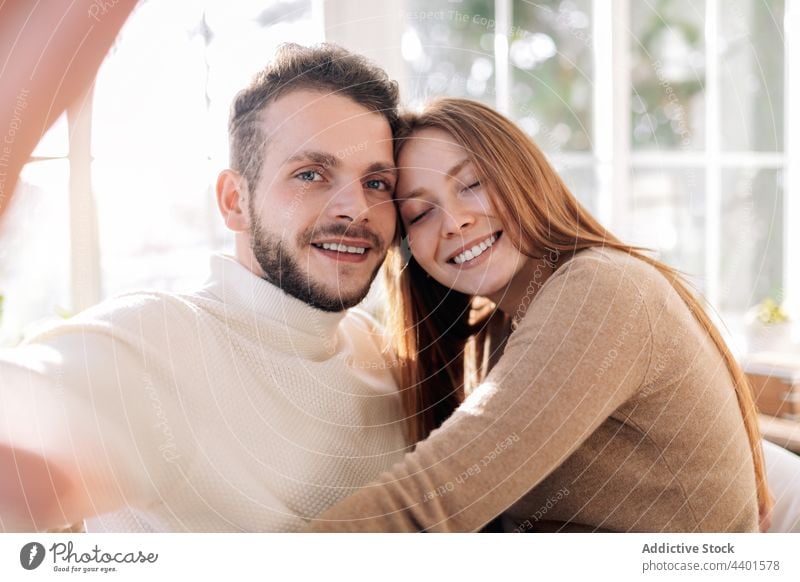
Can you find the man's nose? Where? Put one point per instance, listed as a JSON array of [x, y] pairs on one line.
[[350, 203]]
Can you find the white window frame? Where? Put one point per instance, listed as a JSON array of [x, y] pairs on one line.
[[612, 157]]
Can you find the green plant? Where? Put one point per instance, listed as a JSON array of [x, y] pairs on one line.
[[769, 312]]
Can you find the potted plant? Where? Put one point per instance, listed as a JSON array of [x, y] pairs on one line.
[[769, 328]]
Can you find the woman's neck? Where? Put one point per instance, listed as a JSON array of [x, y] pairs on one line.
[[515, 298]]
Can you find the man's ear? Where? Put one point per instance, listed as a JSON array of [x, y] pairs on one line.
[[232, 200]]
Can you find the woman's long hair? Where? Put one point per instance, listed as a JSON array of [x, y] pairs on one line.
[[444, 339]]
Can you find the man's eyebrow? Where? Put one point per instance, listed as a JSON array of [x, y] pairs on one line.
[[323, 158], [380, 167]]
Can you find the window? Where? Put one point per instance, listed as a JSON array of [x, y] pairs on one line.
[[674, 121], [35, 270], [160, 132], [158, 114], [667, 118]]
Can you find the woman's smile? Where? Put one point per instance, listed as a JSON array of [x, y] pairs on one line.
[[473, 253], [454, 231]]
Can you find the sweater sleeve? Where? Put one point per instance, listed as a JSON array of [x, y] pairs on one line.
[[581, 351], [75, 410]]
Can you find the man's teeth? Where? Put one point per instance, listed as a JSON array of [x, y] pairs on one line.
[[342, 248], [475, 251]]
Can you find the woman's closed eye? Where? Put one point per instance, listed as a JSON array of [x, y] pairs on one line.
[[414, 210], [419, 216], [473, 186]]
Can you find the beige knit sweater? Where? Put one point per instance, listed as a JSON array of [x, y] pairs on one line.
[[611, 409]]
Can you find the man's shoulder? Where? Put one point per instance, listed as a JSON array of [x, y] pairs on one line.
[[139, 311], [144, 307]]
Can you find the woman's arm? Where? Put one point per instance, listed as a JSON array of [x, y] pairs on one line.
[[581, 351]]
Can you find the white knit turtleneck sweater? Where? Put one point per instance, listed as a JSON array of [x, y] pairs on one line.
[[236, 408]]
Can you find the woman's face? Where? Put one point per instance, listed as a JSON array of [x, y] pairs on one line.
[[454, 231]]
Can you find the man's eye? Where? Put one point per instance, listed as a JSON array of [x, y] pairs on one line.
[[309, 176], [377, 185]]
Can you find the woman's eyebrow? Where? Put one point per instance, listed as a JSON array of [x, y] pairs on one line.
[[420, 193], [457, 168], [423, 192]]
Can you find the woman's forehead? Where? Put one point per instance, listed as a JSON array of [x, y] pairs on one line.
[[433, 150]]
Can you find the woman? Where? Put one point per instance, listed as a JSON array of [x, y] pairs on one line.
[[615, 405]]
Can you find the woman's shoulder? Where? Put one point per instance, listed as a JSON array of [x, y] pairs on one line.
[[600, 284], [609, 266], [610, 256], [604, 283]]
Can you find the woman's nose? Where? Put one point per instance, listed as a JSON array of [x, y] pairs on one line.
[[456, 221]]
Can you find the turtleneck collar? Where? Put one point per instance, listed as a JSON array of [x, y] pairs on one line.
[[237, 286]]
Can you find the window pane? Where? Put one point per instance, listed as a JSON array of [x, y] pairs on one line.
[[34, 249], [158, 151], [551, 72], [667, 215], [449, 47], [752, 237], [237, 39], [668, 73], [582, 182], [55, 142], [751, 75]]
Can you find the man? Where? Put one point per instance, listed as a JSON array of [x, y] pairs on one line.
[[258, 401]]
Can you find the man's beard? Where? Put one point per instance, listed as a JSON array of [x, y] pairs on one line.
[[281, 268]]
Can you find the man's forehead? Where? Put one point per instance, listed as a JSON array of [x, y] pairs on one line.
[[307, 120]]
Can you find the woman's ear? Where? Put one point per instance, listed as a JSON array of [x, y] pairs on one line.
[[232, 200]]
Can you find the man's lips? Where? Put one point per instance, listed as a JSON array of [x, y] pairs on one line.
[[348, 251], [348, 242]]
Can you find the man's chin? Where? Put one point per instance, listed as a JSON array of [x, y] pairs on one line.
[[337, 300]]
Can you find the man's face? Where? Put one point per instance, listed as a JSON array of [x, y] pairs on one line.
[[322, 215]]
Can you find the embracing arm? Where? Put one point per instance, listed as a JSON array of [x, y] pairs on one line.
[[580, 352]]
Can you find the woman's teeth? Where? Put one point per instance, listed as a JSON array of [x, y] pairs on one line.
[[475, 251], [342, 248]]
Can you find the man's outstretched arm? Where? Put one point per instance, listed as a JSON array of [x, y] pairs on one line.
[[75, 432], [41, 486], [34, 494], [49, 55]]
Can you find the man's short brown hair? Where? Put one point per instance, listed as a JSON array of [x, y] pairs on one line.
[[325, 67]]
